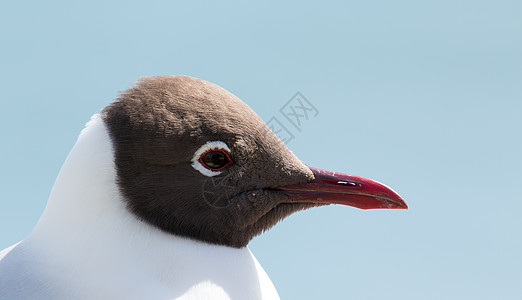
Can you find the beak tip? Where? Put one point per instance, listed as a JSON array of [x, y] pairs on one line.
[[399, 203], [405, 207]]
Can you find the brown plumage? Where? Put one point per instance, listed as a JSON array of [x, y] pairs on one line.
[[157, 126]]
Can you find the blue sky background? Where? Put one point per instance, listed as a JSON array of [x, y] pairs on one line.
[[425, 96]]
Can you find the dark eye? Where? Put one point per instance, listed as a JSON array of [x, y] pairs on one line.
[[215, 159]]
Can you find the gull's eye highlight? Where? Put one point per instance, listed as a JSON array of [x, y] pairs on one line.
[[215, 159]]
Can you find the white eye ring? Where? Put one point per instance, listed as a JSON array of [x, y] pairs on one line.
[[196, 164]]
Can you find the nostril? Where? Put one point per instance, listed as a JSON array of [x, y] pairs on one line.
[[343, 183]]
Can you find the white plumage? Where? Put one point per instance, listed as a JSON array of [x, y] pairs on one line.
[[87, 245]]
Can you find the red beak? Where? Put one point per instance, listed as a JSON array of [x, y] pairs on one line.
[[337, 188]]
